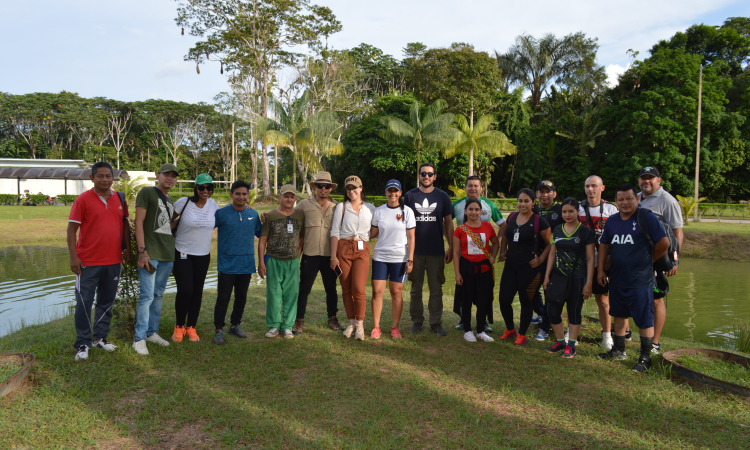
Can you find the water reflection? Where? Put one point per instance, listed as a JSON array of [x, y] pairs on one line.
[[705, 298]]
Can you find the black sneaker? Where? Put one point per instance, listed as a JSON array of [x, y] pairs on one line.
[[643, 364], [628, 335], [556, 347], [438, 329], [613, 354], [219, 338], [460, 326], [237, 331], [416, 328], [487, 329]]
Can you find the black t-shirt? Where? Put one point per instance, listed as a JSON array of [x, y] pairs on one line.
[[570, 250], [553, 215], [523, 249], [429, 211]]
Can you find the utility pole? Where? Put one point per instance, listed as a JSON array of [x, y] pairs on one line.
[[234, 162], [698, 146]]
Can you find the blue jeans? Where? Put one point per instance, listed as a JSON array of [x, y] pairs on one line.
[[149, 303]]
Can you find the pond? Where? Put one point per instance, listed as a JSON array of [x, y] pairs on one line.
[[705, 300]]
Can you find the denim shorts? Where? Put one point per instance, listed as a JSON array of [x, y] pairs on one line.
[[396, 272]]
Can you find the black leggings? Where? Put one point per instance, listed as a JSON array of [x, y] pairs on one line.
[[574, 302], [523, 280], [190, 276]]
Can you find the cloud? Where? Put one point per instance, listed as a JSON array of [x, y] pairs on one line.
[[613, 71], [173, 68]]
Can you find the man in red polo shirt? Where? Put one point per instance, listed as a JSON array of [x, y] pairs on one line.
[[96, 258]]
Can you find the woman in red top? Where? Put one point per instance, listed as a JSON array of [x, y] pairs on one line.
[[473, 262]]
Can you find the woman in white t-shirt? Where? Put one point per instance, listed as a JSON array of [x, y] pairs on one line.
[[192, 254], [393, 224]]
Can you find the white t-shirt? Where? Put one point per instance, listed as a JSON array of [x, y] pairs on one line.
[[392, 245], [196, 227]]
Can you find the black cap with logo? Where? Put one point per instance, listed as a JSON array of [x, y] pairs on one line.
[[653, 171], [546, 184]]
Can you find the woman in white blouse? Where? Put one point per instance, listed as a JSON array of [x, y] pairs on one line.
[[350, 232]]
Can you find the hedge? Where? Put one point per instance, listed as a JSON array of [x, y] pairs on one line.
[[8, 199], [66, 199], [724, 210]]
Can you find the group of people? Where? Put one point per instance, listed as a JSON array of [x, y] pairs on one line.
[[568, 250]]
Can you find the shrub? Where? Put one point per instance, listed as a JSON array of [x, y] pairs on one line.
[[67, 199], [8, 199], [126, 302], [37, 199]]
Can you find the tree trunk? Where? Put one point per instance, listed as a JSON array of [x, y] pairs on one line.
[[266, 174], [418, 160], [294, 169], [255, 165], [303, 171], [471, 149], [263, 91], [276, 171]]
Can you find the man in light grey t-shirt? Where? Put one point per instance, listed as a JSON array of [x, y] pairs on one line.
[[654, 198]]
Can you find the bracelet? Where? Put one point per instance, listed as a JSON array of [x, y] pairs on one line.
[[334, 259]]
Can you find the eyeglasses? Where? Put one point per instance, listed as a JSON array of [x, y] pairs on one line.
[[427, 174], [203, 187], [323, 186]]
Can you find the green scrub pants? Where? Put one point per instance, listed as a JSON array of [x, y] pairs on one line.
[[282, 289]]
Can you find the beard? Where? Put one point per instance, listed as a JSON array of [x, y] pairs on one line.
[[425, 184]]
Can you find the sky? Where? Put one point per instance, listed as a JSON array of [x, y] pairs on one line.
[[132, 50]]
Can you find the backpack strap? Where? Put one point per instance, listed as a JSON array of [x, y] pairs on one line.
[[125, 222], [641, 218], [537, 248]]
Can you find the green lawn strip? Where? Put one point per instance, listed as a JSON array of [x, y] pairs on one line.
[[719, 227], [717, 368], [320, 390]]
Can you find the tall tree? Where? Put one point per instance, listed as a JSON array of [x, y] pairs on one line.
[[253, 38]]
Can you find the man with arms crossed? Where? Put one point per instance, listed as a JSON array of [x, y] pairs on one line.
[[631, 277], [490, 213], [97, 257], [598, 213], [154, 210], [660, 202], [433, 212]]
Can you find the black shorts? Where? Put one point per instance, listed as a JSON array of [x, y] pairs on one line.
[[598, 289]]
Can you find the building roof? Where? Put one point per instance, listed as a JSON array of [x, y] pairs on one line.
[[52, 173], [45, 163]]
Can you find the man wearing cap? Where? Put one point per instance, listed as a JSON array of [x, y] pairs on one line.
[[237, 227], [434, 216], [660, 202], [316, 254], [154, 210], [490, 213], [281, 242], [550, 211]]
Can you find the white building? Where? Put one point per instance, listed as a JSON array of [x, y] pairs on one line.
[[51, 177]]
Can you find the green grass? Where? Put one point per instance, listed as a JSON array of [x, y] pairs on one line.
[[717, 368], [719, 227], [742, 336], [9, 366], [320, 390]]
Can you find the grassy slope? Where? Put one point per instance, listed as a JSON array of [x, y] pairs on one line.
[[320, 390]]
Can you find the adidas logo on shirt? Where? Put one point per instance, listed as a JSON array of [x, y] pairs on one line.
[[425, 208]]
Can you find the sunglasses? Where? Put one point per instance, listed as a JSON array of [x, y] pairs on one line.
[[203, 187], [427, 174], [323, 186]]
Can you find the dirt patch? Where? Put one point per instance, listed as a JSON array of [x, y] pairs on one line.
[[726, 246], [187, 436]]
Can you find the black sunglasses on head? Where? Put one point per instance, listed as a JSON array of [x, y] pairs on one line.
[[323, 186], [203, 187], [427, 174]]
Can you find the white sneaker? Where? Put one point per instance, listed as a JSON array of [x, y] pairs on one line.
[[156, 339], [103, 344], [485, 337], [349, 331], [272, 333], [469, 336], [140, 347], [287, 334], [83, 352], [607, 341]]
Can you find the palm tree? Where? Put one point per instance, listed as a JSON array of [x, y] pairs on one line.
[[472, 138], [534, 63], [429, 131], [308, 134], [129, 187], [582, 128]]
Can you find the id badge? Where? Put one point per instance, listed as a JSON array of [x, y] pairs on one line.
[[515, 236], [183, 255], [360, 245], [289, 228]]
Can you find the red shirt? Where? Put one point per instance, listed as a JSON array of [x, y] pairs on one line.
[[468, 249], [100, 235]]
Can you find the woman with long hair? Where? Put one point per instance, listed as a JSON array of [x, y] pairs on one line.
[[192, 254], [569, 276], [393, 258], [475, 247], [350, 252], [524, 248]]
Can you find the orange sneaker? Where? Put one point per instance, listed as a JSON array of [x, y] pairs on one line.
[[192, 335], [375, 333], [395, 333], [520, 340], [179, 333], [508, 334]]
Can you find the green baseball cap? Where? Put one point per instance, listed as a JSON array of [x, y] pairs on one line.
[[168, 167], [204, 178]]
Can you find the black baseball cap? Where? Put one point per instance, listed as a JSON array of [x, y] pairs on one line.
[[546, 184], [653, 171]]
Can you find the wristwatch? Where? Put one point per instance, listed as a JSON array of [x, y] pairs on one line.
[[410, 261], [141, 249]]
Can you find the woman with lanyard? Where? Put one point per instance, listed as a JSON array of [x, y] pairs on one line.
[[393, 224], [193, 232], [569, 276], [474, 263], [350, 253], [525, 239]]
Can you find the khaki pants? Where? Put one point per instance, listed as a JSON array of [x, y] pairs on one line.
[[435, 268], [355, 267]]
